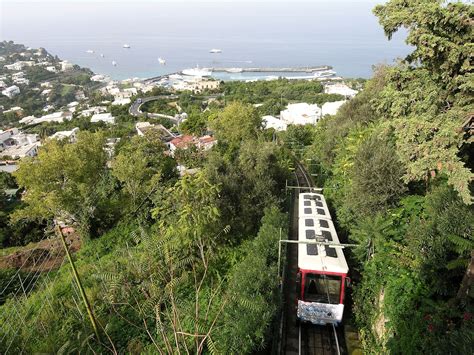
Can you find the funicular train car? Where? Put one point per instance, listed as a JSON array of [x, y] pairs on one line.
[[322, 269]]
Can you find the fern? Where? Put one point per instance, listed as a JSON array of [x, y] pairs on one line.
[[462, 245], [211, 346]]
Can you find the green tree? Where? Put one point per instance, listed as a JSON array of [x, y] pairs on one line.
[[237, 122], [65, 181], [141, 166]]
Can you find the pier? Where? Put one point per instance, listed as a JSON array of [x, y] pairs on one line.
[[276, 70], [309, 69]]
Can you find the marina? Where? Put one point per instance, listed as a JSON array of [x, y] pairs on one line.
[[273, 70]]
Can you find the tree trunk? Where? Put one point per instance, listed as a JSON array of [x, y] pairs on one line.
[[467, 280]]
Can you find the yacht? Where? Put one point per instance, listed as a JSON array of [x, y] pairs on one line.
[[161, 61], [126, 46], [197, 72], [90, 51], [114, 63], [102, 55], [234, 70], [215, 50], [324, 73]]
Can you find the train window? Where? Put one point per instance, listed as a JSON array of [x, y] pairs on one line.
[[307, 211], [322, 288], [307, 203], [319, 204], [307, 197], [309, 222], [310, 234], [331, 252], [312, 249], [327, 235], [323, 223], [320, 211]]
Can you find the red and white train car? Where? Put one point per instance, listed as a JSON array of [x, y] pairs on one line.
[[322, 269]]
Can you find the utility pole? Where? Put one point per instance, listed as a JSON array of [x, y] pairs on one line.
[[79, 284]]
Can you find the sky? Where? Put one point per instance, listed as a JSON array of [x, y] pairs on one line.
[[198, 1]]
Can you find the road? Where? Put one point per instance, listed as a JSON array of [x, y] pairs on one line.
[[134, 109]]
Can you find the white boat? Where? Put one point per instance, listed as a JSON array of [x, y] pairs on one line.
[[114, 63], [197, 72], [215, 50], [90, 51], [234, 70], [324, 73], [161, 61], [126, 46], [102, 55]]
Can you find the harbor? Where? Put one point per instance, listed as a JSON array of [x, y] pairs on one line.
[[274, 70], [254, 73]]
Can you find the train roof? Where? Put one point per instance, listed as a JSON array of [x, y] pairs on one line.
[[318, 227], [313, 204]]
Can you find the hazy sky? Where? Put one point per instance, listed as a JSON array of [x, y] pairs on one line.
[[197, 1]]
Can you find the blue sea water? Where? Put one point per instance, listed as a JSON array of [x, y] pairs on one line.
[[343, 34]]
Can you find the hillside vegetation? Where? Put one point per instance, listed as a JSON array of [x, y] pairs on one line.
[[397, 165]]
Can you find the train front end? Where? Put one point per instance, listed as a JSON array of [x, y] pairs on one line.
[[321, 297], [322, 267]]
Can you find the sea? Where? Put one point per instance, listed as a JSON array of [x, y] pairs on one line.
[[341, 33]]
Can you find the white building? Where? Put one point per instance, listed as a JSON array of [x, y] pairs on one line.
[[93, 110], [21, 81], [58, 117], [331, 108], [19, 65], [11, 91], [341, 89], [301, 114], [65, 65], [275, 123], [16, 144], [52, 69], [16, 109], [71, 135], [99, 78], [2, 84], [103, 117], [18, 75], [121, 101], [142, 127], [21, 151], [72, 106], [27, 119]]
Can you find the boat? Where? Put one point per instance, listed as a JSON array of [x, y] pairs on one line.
[[324, 73], [102, 55], [114, 63], [197, 72], [90, 51], [126, 46], [215, 50], [162, 61], [234, 70]]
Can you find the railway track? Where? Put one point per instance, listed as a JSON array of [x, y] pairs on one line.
[[298, 338]]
